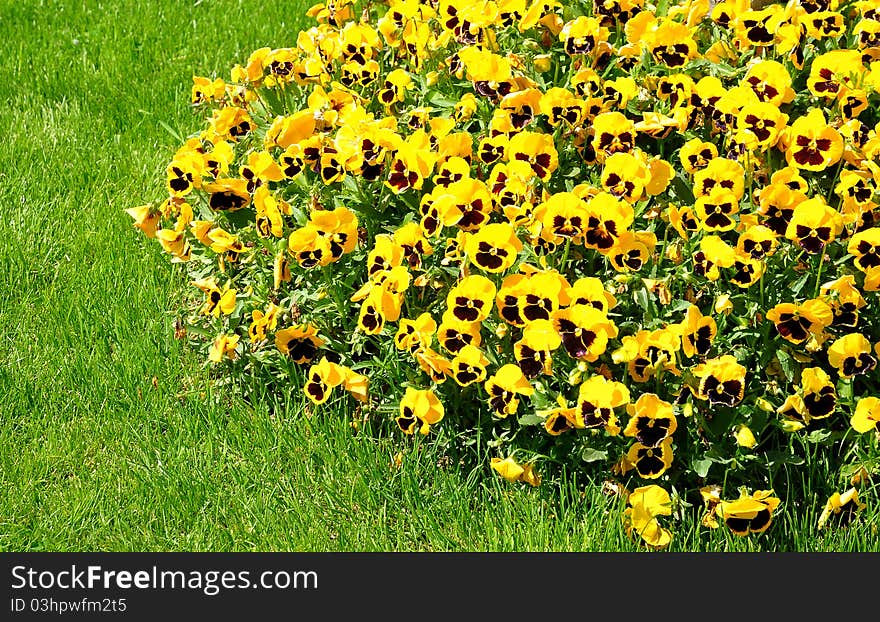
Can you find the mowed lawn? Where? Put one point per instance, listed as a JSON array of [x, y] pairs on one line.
[[111, 437]]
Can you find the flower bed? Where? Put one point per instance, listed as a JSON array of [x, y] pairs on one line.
[[634, 240]]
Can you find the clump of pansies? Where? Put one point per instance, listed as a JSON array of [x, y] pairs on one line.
[[638, 241]]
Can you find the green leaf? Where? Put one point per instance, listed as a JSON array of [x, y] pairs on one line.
[[720, 422], [640, 296], [197, 330], [530, 420], [719, 70], [682, 189], [240, 219], [788, 364], [593, 455], [818, 436], [777, 458], [441, 101], [678, 305], [799, 284], [701, 466], [845, 389]]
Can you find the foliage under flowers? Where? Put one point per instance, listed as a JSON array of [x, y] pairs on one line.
[[634, 240]]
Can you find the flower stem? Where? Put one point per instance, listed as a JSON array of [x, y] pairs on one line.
[[564, 260], [821, 262]]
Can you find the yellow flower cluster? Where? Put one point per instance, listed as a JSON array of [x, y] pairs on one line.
[[609, 232]]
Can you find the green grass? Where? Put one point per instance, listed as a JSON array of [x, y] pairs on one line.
[[109, 436]]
